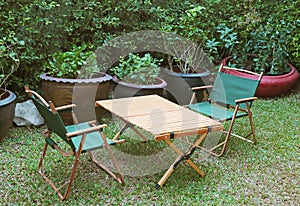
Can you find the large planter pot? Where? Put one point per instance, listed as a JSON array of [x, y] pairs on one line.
[[272, 85], [82, 92], [124, 89], [7, 111], [179, 84]]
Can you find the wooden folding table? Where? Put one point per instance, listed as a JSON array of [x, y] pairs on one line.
[[165, 120]]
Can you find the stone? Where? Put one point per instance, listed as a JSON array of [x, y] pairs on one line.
[[27, 114]]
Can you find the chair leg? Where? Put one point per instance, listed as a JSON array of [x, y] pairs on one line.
[[69, 182], [71, 178], [117, 176], [251, 124], [41, 163], [229, 133]]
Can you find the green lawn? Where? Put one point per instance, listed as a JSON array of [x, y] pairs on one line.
[[262, 174]]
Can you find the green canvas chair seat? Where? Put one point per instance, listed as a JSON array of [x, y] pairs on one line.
[[231, 97], [93, 140], [215, 111], [81, 137]]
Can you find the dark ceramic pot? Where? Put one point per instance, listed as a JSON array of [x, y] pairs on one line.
[[82, 92], [272, 85], [179, 84], [7, 111], [123, 89]]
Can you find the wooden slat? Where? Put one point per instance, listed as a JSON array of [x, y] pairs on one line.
[[126, 107], [156, 114], [154, 123]]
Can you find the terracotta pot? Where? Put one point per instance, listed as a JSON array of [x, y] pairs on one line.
[[179, 84], [124, 89], [7, 111], [82, 92], [272, 85]]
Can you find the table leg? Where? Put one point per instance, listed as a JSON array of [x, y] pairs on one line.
[[126, 126], [168, 173], [182, 156], [139, 133]]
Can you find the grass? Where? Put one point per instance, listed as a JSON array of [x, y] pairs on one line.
[[262, 174]]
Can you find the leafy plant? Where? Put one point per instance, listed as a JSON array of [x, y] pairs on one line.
[[294, 46], [49, 26], [9, 57], [268, 44], [188, 58], [136, 69], [225, 44], [77, 63]]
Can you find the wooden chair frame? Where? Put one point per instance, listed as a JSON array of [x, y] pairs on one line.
[[236, 108], [76, 154]]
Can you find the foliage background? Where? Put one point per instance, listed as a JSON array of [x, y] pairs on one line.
[[221, 26]]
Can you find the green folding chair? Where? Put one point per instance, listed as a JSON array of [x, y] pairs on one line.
[[81, 138], [231, 97]]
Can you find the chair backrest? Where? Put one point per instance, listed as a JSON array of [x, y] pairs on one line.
[[227, 88], [53, 120]]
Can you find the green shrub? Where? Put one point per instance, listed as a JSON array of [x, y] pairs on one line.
[[10, 57], [50, 26], [266, 31], [46, 27], [136, 69], [79, 62]]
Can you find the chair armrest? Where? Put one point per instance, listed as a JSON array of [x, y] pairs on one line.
[[201, 87], [249, 99], [193, 98], [69, 106], [85, 131]]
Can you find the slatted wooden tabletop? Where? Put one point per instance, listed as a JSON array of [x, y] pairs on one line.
[[156, 114]]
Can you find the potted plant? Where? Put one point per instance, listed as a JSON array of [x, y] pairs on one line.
[[265, 50], [9, 63], [74, 77], [137, 75], [188, 67]]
